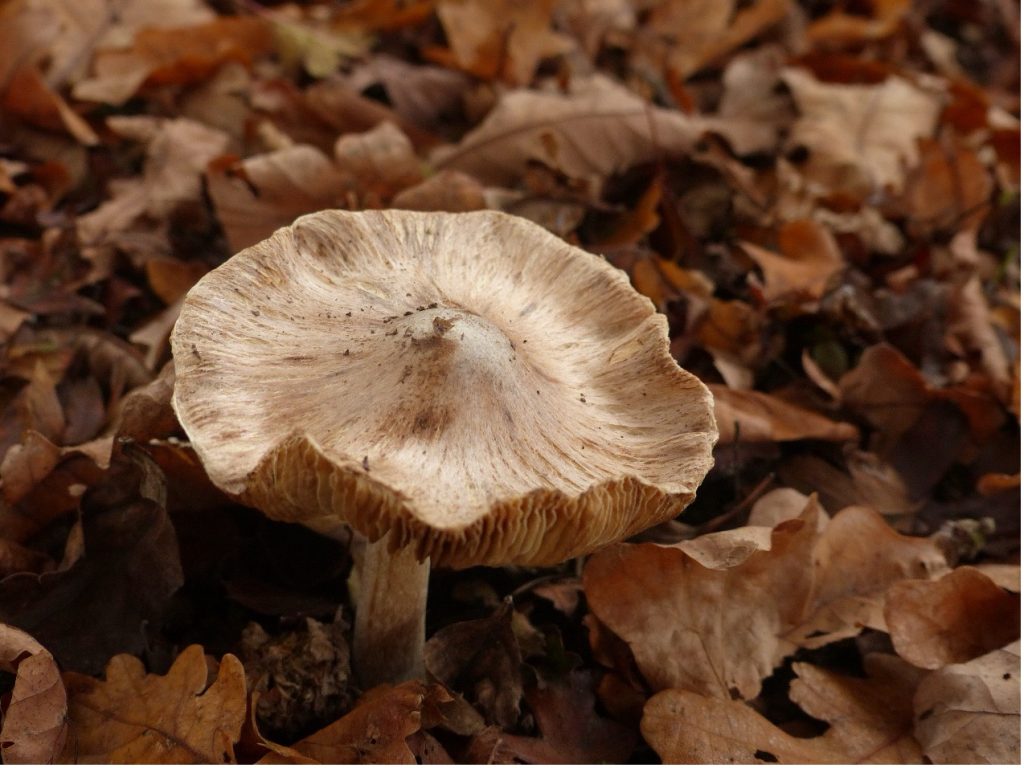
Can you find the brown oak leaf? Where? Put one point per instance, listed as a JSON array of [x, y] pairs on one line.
[[134, 717]]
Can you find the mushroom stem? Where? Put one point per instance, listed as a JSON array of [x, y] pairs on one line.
[[391, 606]]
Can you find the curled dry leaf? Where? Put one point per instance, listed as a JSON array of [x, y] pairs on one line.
[[781, 504], [861, 138], [597, 129], [256, 196], [715, 615], [750, 416], [960, 616], [871, 721], [35, 721], [134, 717], [808, 260], [970, 713]]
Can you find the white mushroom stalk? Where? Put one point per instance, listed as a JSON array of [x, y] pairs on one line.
[[467, 388]]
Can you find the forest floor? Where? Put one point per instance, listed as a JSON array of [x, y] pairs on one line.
[[823, 198]]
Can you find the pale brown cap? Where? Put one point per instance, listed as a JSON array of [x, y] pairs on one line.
[[467, 383]]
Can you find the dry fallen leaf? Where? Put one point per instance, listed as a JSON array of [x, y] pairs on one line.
[[177, 152], [972, 324], [597, 129], [381, 160], [502, 39], [856, 559], [861, 138], [120, 567], [871, 721], [374, 731], [134, 717], [180, 55], [35, 720], [713, 627], [418, 93], [716, 614], [484, 655], [571, 732], [749, 416], [809, 257], [950, 187], [970, 713], [702, 31], [256, 196], [444, 191], [960, 616]]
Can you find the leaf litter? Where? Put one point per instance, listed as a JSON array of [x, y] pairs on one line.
[[823, 200]]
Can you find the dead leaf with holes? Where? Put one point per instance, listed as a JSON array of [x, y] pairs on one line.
[[955, 619], [134, 717], [35, 720], [871, 721], [716, 614], [707, 615], [970, 713]]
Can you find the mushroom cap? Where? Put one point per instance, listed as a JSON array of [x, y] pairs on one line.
[[466, 383]]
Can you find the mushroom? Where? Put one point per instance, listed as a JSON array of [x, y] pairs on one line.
[[461, 389]]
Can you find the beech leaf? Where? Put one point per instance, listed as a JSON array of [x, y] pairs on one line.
[[862, 138], [597, 129]]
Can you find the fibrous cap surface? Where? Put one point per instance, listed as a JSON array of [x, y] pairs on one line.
[[465, 382]]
